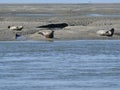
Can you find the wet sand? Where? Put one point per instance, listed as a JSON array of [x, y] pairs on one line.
[[84, 20]]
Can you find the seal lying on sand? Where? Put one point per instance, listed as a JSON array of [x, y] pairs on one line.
[[54, 26], [18, 28], [108, 33], [47, 34]]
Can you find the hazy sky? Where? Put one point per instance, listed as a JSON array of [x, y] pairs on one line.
[[59, 1]]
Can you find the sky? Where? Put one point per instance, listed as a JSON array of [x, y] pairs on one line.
[[59, 1]]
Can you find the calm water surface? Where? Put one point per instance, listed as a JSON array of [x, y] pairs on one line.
[[50, 15], [54, 15], [103, 15], [60, 65]]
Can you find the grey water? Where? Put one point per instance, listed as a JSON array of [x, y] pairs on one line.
[[103, 15], [53, 15], [50, 15], [60, 65], [35, 15], [29, 14]]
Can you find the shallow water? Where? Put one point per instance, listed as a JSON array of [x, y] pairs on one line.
[[49, 15], [60, 65], [29, 14], [103, 15], [36, 15], [53, 15]]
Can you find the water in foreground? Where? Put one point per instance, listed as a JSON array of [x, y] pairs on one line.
[[60, 65]]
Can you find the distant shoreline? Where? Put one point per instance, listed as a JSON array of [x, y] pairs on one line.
[[58, 3]]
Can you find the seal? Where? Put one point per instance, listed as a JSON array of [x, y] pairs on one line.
[[18, 28], [108, 33], [54, 26], [47, 34]]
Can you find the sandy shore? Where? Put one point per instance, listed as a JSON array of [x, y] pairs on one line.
[[84, 20]]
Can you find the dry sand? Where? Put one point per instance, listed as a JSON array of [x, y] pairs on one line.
[[83, 20]]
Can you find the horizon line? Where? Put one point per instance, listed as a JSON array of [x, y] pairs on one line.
[[63, 3]]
